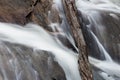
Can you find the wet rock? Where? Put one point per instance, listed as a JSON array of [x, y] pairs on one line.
[[111, 39], [92, 45], [106, 26], [19, 62], [66, 42], [108, 34], [96, 74]]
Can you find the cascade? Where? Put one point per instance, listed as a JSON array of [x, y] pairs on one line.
[[37, 38], [32, 53], [101, 21]]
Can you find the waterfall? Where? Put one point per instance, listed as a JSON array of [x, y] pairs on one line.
[[26, 50], [109, 69], [101, 17], [64, 24], [108, 66], [35, 37], [103, 51]]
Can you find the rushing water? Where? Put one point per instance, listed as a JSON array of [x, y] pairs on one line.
[[98, 17], [107, 56], [37, 38], [108, 66], [23, 49]]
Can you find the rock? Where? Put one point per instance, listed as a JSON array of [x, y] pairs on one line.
[[23, 11], [23, 63], [108, 34], [14, 11]]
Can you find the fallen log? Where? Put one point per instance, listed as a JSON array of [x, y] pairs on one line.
[[74, 22]]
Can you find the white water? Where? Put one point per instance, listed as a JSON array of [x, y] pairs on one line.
[[87, 6], [102, 49], [110, 68], [93, 10], [34, 36], [64, 24]]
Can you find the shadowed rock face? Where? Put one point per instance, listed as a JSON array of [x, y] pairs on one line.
[[109, 34], [107, 28], [111, 39], [18, 62]]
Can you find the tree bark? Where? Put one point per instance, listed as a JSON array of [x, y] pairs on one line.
[[74, 22]]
